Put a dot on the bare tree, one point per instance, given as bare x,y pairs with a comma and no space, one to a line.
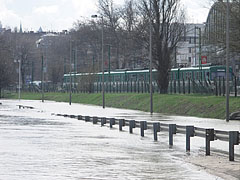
111,20
58,57
6,64
86,38
131,39
168,20
24,49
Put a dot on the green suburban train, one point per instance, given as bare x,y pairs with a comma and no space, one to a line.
209,73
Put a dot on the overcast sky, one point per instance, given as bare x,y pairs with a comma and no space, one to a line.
57,15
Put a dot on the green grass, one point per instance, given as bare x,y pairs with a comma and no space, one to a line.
187,105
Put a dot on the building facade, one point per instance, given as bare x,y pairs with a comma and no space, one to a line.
188,49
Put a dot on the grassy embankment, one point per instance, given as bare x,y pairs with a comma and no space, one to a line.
187,105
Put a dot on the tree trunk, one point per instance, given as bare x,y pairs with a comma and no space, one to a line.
163,80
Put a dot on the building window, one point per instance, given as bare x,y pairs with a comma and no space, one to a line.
190,50
189,59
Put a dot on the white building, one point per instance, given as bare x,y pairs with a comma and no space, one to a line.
187,52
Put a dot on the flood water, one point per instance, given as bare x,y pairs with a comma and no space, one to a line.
34,144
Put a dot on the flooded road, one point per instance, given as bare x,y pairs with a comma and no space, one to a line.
37,145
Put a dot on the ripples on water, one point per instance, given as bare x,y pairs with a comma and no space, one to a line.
62,148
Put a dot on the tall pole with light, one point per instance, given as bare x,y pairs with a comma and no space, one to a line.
150,56
227,63
70,72
42,79
103,84
200,50
19,78
200,53
38,43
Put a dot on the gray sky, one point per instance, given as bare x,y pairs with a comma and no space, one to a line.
61,14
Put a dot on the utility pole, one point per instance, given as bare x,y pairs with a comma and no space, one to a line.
195,45
150,56
75,65
70,57
19,80
227,63
109,67
200,53
42,80
103,84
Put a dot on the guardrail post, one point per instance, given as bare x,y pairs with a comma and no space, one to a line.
156,128
143,126
72,116
103,121
189,133
87,118
172,130
112,122
209,137
131,126
121,123
233,140
79,117
95,119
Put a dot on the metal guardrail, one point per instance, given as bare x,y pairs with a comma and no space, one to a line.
233,137
23,107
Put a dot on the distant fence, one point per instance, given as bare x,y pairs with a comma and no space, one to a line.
209,134
188,86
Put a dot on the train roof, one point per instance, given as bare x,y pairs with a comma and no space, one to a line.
197,68
123,71
112,72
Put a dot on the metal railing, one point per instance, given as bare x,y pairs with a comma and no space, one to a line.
209,134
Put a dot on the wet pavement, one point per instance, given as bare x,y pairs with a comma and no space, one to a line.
38,145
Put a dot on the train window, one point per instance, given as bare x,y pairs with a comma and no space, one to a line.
117,78
140,77
190,75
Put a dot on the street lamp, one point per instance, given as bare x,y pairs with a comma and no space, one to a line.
150,57
103,84
200,50
19,78
227,63
70,58
38,43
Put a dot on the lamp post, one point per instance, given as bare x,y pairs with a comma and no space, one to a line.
227,63
109,67
150,57
19,78
38,43
70,58
200,50
103,84
42,80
